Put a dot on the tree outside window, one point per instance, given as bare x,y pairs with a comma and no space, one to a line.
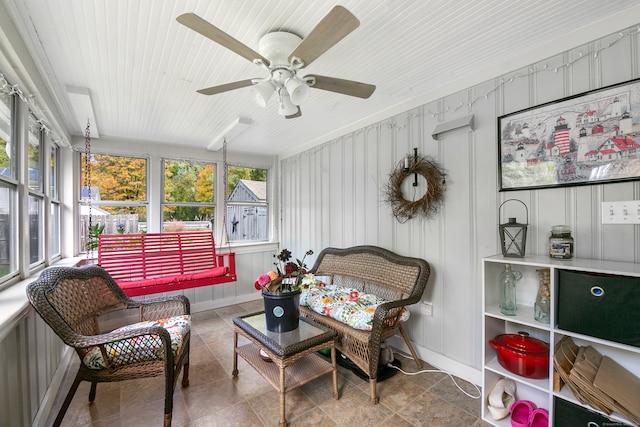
188,203
115,198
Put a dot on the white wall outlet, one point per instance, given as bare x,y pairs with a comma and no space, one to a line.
621,212
427,308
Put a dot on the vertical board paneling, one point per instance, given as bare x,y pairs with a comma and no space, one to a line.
457,249
30,355
616,60
348,185
465,230
359,189
372,188
338,188
387,163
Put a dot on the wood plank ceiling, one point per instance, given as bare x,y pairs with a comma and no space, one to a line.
142,68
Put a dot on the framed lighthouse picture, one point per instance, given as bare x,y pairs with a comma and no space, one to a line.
590,138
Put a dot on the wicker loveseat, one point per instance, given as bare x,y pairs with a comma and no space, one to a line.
399,280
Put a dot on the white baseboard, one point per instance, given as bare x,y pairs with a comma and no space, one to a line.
224,302
441,362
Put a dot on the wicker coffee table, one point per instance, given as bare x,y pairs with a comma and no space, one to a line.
293,362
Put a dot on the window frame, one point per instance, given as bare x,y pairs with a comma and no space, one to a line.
54,244
266,204
83,201
11,183
36,193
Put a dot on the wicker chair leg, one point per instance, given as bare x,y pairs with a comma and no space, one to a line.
413,352
67,401
92,391
372,385
185,375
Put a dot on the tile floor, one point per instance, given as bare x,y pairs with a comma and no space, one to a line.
215,398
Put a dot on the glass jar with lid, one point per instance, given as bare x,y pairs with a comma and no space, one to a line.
561,242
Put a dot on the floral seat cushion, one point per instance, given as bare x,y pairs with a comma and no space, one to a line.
346,305
139,349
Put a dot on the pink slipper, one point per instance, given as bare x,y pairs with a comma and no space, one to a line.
521,412
539,418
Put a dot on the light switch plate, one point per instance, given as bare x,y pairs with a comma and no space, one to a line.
627,212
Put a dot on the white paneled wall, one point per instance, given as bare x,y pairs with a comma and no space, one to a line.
30,353
333,194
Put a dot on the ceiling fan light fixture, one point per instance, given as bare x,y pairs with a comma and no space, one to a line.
262,92
298,90
286,107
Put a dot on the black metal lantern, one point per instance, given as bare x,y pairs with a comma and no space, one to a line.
513,235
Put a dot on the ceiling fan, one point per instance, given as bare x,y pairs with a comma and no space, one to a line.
283,55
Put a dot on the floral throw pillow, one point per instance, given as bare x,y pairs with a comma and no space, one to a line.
346,305
138,349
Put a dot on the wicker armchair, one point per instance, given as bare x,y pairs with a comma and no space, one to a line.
398,279
71,300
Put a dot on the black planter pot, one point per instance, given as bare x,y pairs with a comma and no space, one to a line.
282,310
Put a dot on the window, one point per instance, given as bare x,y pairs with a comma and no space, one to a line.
113,196
54,196
8,192
35,205
247,205
188,201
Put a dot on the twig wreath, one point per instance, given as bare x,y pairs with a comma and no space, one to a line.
429,204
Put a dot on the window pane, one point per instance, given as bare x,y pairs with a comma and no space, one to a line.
247,222
8,248
6,147
114,219
35,205
54,239
33,153
187,218
53,166
186,182
247,207
115,178
118,189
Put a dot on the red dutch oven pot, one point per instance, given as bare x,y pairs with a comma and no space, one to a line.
522,355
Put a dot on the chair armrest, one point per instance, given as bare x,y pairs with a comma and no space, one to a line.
231,261
161,307
383,313
86,341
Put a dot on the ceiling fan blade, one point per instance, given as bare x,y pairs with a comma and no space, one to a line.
207,29
345,87
336,25
213,90
294,115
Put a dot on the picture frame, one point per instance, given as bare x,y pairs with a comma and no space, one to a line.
589,138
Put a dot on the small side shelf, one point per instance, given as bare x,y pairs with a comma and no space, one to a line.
541,391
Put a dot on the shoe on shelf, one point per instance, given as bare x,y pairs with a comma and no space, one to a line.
521,412
539,418
501,398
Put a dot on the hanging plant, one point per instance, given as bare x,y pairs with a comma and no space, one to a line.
426,206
